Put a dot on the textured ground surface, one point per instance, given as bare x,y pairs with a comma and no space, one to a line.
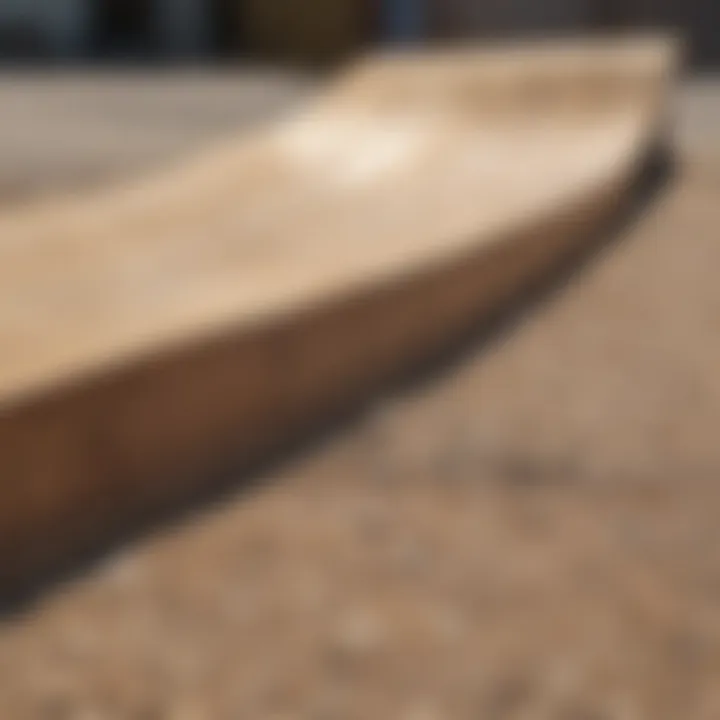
530,533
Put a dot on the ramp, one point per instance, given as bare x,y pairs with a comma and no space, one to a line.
157,333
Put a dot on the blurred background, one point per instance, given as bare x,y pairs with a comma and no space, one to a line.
101,30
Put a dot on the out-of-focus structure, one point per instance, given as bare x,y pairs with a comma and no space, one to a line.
699,20
159,331
320,29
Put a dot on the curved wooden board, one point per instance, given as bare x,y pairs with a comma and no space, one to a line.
155,332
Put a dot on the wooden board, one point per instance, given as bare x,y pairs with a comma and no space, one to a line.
154,333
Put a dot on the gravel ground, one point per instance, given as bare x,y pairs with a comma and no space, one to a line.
529,533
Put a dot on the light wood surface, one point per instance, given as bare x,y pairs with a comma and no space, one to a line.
155,332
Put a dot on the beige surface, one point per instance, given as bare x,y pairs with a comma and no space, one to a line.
153,331
407,161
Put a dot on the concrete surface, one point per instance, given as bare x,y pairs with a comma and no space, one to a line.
66,129
698,117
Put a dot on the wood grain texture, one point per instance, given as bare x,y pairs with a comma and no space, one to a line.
154,333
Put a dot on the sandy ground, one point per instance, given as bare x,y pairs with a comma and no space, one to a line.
528,532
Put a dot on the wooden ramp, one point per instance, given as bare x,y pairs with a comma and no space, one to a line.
156,333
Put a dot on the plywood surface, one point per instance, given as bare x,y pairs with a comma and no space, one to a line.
152,332
407,160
